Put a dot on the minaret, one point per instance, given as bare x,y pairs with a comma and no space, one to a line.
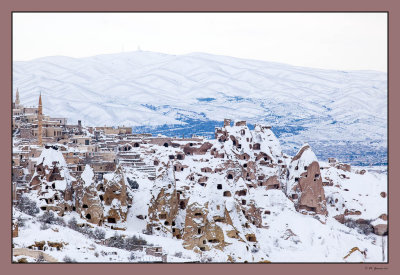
17,100
40,120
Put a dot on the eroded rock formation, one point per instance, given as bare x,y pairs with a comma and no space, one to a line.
206,194
305,183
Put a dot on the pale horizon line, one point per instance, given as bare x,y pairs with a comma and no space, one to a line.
199,52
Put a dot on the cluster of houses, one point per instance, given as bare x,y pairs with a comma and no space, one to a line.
102,147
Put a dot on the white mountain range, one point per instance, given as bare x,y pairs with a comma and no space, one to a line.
337,112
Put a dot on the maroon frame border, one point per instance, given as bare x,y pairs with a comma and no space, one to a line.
8,6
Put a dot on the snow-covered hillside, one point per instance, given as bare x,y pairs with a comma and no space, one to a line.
340,113
236,198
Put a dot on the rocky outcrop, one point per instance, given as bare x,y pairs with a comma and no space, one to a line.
100,202
202,230
163,213
343,166
271,183
305,183
33,254
89,199
115,199
14,228
192,150
165,204
381,229
52,181
380,225
253,215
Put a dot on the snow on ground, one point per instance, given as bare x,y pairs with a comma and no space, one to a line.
288,236
357,192
285,234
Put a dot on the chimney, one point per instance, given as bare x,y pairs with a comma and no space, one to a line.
227,122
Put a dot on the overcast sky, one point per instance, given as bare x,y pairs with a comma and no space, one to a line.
344,41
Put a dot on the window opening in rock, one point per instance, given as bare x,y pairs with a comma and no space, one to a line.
251,238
